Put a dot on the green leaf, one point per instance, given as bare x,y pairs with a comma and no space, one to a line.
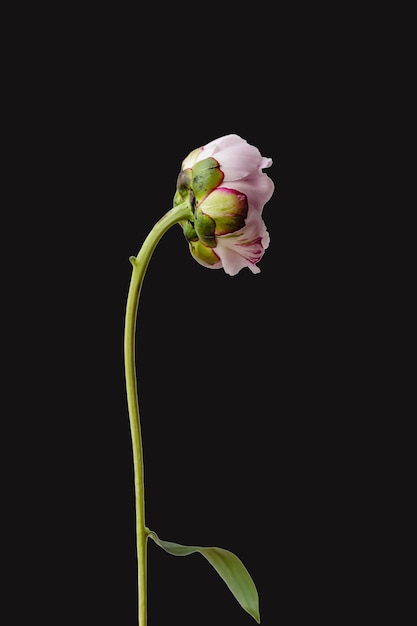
229,567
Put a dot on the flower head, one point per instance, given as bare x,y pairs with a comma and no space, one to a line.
227,190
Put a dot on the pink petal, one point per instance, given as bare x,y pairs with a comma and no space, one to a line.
244,248
221,142
258,188
237,158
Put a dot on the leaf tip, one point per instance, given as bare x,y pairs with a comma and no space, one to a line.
256,616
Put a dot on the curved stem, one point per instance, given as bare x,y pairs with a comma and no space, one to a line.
140,264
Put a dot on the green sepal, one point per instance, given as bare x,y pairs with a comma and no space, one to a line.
203,253
184,181
228,208
207,175
204,227
178,198
227,225
189,231
229,567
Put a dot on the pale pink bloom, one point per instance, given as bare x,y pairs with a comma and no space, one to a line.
241,165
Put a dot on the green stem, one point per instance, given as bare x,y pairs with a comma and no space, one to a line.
140,264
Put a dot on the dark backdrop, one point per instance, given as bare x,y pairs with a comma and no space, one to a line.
244,429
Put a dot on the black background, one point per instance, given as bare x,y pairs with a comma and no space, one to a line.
244,386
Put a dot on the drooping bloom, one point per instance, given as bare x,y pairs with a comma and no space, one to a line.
227,190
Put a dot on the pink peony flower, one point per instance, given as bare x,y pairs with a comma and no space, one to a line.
227,189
